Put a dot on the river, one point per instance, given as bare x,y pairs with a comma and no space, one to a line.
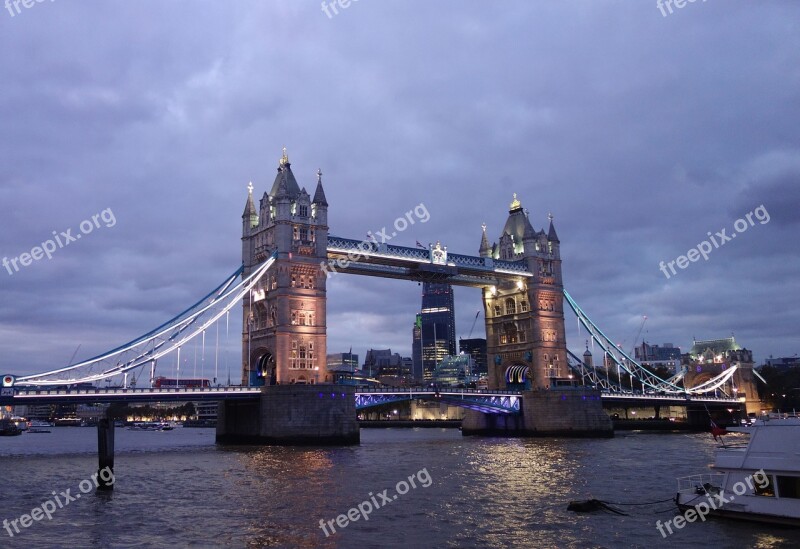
177,489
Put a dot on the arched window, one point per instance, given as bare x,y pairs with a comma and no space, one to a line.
497,311
510,306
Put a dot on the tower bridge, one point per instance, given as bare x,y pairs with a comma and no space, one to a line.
288,256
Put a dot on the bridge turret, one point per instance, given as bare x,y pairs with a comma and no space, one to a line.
250,216
319,212
588,360
485,249
249,221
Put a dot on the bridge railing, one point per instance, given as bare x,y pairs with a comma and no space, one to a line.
387,389
134,391
666,396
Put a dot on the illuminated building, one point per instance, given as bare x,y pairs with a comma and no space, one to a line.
285,314
438,325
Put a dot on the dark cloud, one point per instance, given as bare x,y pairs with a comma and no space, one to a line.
640,133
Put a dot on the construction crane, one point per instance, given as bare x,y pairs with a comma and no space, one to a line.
635,339
473,324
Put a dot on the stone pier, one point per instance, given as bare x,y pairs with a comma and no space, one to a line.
291,415
564,412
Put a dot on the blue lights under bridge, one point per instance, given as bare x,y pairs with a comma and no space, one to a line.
490,402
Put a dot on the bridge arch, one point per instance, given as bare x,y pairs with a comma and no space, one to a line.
263,371
518,377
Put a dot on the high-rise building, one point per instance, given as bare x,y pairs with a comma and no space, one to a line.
416,350
476,348
438,328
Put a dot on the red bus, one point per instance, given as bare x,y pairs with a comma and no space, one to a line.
171,383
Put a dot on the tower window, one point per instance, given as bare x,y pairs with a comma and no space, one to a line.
497,311
303,211
510,307
523,306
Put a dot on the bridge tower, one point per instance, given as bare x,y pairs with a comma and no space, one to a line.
284,326
525,336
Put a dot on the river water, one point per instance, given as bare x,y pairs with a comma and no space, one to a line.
177,489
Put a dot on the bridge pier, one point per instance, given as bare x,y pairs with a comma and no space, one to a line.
564,412
291,415
105,452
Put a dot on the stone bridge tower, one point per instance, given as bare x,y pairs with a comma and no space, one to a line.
525,336
283,329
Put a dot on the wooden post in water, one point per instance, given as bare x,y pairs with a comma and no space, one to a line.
105,451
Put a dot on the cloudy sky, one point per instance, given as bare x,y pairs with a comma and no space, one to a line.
640,132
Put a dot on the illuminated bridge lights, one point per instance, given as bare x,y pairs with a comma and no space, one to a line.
488,402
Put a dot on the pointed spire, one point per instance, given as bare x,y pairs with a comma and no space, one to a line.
529,232
319,194
249,208
485,250
551,233
283,192
286,178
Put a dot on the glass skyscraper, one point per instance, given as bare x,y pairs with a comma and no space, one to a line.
438,326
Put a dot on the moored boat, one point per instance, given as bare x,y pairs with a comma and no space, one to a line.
8,428
757,480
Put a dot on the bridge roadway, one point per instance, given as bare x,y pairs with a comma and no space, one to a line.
479,399
371,258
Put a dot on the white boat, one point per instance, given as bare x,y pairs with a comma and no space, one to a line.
757,480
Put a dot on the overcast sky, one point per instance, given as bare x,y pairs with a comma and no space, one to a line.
640,132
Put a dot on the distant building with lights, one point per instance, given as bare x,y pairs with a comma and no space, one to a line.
783,363
476,348
416,350
342,362
454,371
385,363
708,358
654,356
438,326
